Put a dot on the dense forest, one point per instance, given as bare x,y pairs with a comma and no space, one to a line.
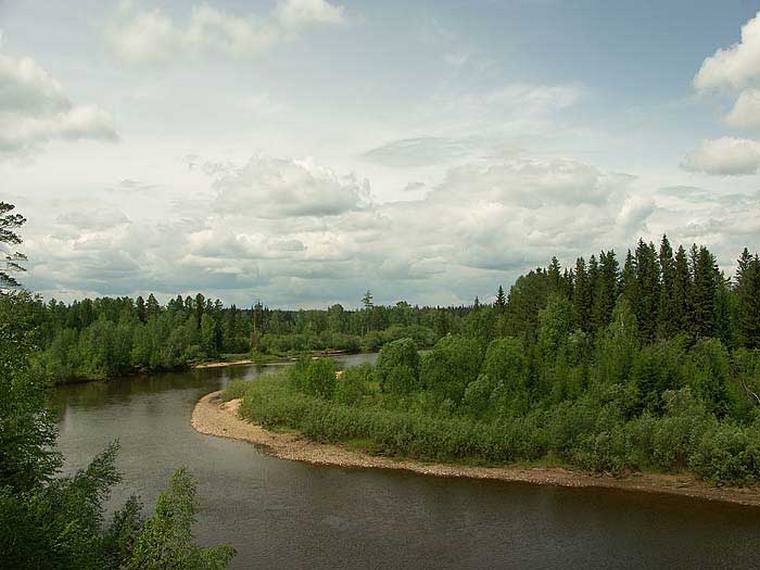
653,365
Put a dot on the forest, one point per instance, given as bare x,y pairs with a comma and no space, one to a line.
650,366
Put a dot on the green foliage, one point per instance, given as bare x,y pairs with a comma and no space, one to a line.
709,378
506,372
450,366
235,389
319,378
398,367
166,539
27,431
354,385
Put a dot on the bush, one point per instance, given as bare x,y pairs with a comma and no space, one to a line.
728,454
353,385
319,379
235,389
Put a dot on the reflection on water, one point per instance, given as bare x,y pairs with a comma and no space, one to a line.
282,514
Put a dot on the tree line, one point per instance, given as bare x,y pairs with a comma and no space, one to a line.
104,337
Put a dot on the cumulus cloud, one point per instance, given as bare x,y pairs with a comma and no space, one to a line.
532,182
151,36
726,156
746,110
34,109
734,67
282,188
295,232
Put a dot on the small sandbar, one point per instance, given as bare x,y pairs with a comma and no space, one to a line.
212,416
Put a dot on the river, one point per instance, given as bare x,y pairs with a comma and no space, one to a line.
281,514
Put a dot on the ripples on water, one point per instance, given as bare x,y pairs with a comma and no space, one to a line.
281,514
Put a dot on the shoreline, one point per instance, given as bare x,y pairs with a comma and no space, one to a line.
276,360
212,416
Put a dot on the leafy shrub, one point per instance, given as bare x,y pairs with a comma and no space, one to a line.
353,385
319,379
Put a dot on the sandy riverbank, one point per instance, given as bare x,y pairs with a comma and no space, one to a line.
211,416
223,364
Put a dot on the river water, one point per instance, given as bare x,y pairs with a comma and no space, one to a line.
282,514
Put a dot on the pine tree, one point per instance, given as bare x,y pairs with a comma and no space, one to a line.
12,260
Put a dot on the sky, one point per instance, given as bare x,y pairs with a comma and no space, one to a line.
300,152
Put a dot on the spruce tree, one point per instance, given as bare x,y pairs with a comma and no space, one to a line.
555,277
647,298
681,289
748,300
501,300
605,292
582,296
665,309
704,290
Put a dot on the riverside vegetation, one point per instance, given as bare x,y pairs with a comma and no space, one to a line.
653,367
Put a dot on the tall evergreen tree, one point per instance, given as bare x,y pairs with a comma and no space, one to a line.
605,292
647,298
665,308
748,300
501,300
582,300
628,283
704,290
555,275
681,292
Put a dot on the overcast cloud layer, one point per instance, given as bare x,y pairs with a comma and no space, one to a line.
303,151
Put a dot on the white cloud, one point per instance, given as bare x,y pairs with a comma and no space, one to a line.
735,67
283,188
746,111
34,109
726,156
296,14
294,232
146,37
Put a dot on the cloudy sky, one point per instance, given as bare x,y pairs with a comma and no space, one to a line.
303,151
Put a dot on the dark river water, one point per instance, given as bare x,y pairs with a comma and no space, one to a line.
281,514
